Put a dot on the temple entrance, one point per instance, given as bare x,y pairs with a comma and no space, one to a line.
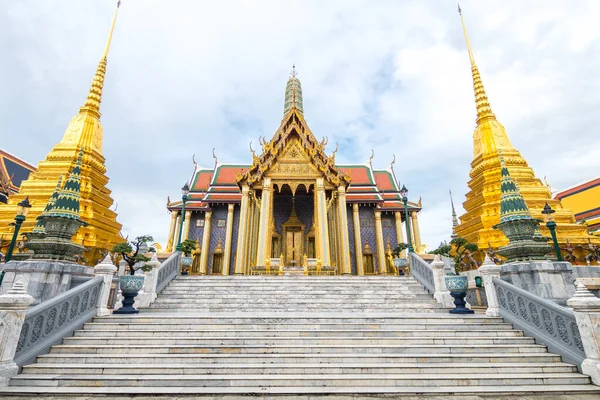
293,213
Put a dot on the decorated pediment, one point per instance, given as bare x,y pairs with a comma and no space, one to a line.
294,152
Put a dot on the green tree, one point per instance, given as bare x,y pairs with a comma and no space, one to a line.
188,246
130,252
458,249
399,249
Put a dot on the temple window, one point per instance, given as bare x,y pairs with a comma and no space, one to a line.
220,223
365,223
200,222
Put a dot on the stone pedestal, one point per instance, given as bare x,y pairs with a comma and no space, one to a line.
490,271
148,293
13,308
106,270
551,280
587,314
441,294
44,279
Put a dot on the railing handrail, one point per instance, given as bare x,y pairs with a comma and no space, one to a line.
49,322
567,312
168,270
40,308
549,323
416,272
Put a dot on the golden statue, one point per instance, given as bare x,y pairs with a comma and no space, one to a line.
196,256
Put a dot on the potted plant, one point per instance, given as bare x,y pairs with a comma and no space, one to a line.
187,247
399,262
456,283
131,284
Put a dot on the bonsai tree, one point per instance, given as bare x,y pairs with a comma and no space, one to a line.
399,249
458,249
130,252
188,246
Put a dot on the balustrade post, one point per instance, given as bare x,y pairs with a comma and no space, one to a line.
441,294
490,271
586,308
106,270
148,293
13,308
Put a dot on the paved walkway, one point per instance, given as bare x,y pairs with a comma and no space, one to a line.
327,397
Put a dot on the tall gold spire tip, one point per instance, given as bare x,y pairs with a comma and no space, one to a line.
484,110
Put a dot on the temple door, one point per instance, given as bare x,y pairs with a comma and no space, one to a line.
293,247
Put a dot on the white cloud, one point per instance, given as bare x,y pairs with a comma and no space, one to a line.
186,76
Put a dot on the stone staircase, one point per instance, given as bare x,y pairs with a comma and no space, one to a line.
297,335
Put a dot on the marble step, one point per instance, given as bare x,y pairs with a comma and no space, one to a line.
327,380
274,288
138,348
300,341
407,300
232,326
321,319
548,392
489,333
298,358
295,369
245,307
236,294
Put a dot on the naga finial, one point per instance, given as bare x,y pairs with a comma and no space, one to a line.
337,146
371,158
393,161
194,159
214,155
168,201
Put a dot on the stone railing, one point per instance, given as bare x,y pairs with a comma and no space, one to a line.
167,271
48,323
422,271
551,324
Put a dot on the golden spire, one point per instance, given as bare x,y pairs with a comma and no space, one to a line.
92,103
484,110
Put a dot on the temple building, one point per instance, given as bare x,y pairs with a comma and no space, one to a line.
13,171
584,200
84,132
482,206
293,207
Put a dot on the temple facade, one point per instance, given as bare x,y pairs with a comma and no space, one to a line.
292,208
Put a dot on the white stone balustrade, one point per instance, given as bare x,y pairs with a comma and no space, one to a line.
441,294
106,270
490,271
13,308
587,314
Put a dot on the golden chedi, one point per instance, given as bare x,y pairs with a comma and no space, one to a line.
483,200
84,132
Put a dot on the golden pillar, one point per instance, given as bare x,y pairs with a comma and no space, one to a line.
263,225
346,267
228,237
242,234
205,243
416,231
379,243
360,269
171,237
186,224
399,233
176,235
322,222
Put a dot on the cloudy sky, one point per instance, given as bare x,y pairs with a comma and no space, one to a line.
186,76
